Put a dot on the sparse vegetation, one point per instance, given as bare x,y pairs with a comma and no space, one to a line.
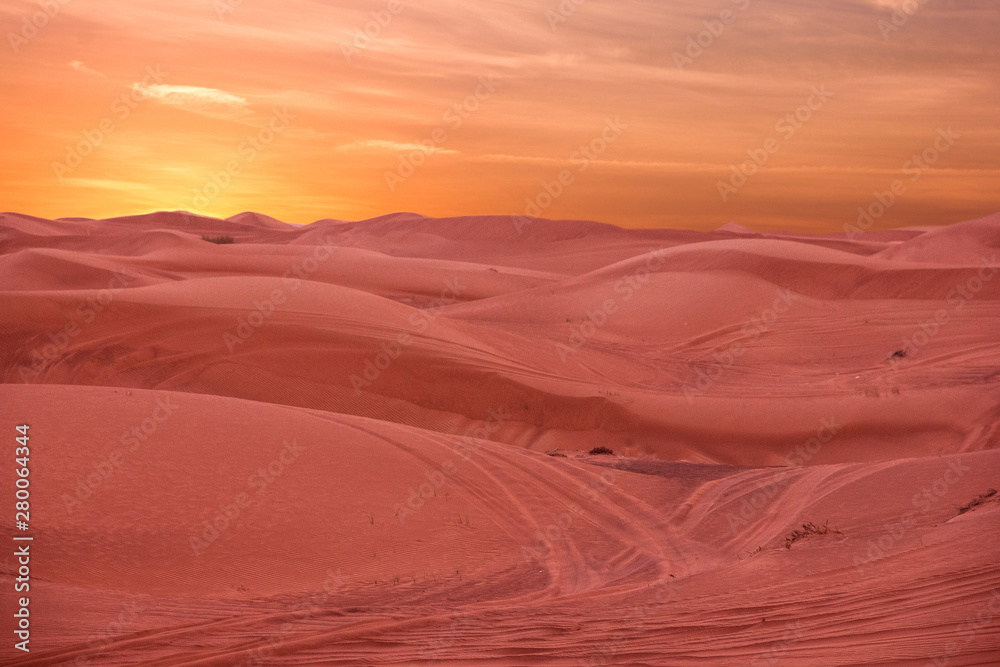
807,530
600,450
555,452
898,354
977,501
220,240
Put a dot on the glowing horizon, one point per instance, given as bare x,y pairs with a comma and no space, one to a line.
629,113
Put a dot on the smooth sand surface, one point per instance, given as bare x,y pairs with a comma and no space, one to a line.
366,443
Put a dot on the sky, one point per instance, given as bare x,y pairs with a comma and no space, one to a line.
802,115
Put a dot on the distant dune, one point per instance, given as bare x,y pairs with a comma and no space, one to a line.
367,442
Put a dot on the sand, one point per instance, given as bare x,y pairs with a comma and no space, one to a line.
366,443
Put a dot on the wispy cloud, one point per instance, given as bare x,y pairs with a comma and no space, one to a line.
80,67
395,147
209,102
108,184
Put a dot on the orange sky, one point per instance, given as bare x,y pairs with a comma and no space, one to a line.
162,97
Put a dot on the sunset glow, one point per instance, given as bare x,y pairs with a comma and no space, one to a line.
635,113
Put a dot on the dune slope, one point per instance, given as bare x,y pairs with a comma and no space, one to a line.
367,442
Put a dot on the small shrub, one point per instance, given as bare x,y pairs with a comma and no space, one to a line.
600,450
807,530
220,240
977,501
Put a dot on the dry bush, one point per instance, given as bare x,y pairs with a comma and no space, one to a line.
807,530
977,501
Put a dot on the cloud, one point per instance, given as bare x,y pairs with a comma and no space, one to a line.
80,67
628,164
209,102
108,184
395,146
905,5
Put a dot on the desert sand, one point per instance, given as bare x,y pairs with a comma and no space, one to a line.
367,443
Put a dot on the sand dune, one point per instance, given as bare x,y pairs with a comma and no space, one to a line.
326,444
